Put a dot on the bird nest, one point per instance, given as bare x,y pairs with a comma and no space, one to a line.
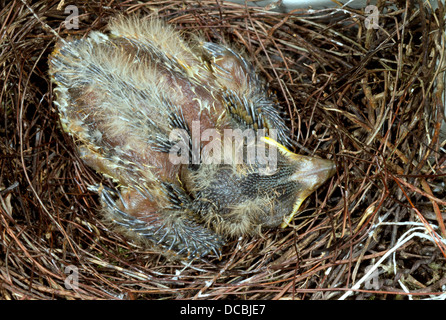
362,89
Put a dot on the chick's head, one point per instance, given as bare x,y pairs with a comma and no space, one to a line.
264,190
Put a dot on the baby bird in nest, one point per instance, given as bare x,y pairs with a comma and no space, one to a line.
187,130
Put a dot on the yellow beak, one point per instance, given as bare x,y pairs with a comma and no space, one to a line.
310,173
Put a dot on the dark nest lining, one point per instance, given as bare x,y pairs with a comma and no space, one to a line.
371,99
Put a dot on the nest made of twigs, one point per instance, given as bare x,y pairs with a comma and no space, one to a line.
369,98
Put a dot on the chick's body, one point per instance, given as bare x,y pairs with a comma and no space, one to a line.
134,97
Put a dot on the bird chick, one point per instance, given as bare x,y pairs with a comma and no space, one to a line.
187,130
